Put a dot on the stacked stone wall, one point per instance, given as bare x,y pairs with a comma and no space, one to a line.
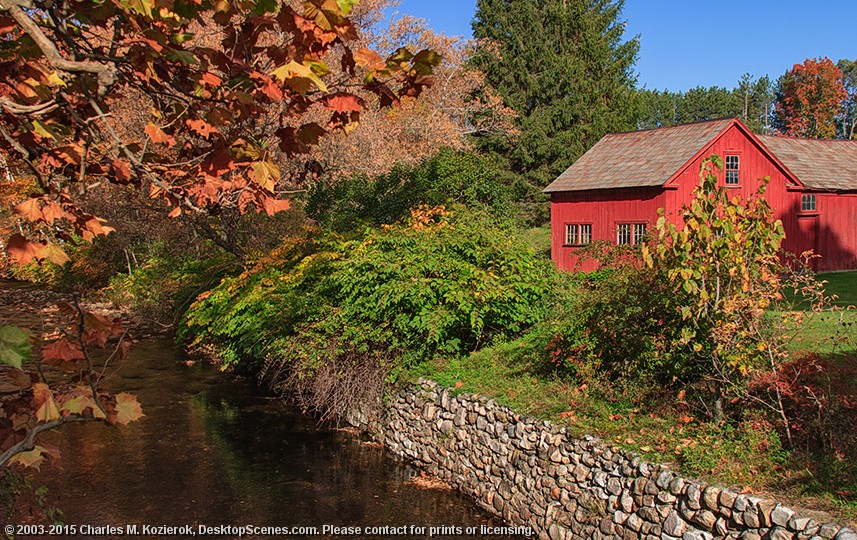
534,474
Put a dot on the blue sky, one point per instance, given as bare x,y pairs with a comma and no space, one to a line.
689,43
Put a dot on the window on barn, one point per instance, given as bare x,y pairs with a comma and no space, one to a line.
578,234
623,234
732,166
639,233
630,234
808,203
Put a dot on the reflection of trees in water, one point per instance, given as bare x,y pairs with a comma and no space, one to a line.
212,450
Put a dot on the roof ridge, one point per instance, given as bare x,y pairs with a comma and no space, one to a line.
789,138
665,128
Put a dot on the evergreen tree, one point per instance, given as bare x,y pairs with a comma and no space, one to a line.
563,66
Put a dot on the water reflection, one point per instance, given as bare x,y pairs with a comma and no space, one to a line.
216,450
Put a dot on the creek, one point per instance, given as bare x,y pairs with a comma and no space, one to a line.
215,449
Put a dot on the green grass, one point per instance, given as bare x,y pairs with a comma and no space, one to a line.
655,423
827,332
843,285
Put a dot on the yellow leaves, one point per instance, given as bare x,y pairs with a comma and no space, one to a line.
43,130
31,459
266,174
128,409
55,81
53,253
43,400
299,76
142,7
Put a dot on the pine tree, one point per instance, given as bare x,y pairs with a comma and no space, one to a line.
563,66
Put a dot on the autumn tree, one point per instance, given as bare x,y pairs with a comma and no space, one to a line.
227,90
565,68
730,286
808,99
199,105
457,107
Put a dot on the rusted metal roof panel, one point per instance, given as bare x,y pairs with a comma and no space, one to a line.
818,164
638,158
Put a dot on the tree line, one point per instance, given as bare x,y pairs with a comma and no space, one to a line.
567,70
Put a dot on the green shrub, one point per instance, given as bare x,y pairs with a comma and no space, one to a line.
615,322
449,177
439,283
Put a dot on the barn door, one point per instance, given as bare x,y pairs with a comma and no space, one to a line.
808,234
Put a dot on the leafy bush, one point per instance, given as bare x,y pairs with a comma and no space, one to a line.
440,283
449,177
616,322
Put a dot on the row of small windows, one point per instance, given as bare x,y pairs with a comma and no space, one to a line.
632,234
628,234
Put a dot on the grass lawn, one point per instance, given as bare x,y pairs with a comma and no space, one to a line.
843,285
828,332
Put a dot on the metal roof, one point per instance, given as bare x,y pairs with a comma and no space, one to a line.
638,158
818,164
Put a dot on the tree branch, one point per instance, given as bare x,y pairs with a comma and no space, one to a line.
29,441
34,110
25,156
106,72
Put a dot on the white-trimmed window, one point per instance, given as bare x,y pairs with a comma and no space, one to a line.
733,165
808,202
623,234
639,233
578,234
630,234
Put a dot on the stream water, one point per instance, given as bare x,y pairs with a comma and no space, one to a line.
218,450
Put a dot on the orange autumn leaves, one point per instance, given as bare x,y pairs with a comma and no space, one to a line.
209,90
61,384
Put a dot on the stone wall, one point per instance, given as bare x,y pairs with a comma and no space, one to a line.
531,473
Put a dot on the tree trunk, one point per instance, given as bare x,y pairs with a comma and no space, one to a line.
718,402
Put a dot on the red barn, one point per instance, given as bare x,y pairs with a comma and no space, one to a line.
614,191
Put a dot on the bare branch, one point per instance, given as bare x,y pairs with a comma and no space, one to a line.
32,110
106,72
30,441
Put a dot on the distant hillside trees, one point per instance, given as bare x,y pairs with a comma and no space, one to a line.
751,101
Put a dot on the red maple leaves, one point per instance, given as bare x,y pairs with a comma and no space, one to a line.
40,402
810,96
199,94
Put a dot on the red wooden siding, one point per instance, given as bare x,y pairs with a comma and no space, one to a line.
604,209
830,231
837,230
